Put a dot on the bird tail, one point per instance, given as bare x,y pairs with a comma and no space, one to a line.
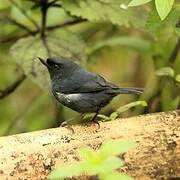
128,90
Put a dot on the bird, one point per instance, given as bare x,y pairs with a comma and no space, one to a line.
81,90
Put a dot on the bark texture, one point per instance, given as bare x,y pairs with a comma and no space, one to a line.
157,156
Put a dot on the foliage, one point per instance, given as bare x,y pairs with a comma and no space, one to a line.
115,114
126,41
122,109
115,11
131,42
138,2
163,7
168,71
177,78
27,50
165,71
135,43
155,25
103,163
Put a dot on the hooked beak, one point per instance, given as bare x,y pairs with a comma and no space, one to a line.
43,62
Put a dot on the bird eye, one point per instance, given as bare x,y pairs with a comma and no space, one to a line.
56,66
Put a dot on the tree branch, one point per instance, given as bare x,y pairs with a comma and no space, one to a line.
13,38
67,23
18,24
44,9
11,88
33,155
49,28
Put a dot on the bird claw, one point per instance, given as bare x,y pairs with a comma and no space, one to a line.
92,123
66,125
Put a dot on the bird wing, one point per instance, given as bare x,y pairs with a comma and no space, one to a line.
84,82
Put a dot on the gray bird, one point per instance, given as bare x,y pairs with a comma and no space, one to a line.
80,90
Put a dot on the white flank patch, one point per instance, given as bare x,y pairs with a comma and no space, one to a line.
69,97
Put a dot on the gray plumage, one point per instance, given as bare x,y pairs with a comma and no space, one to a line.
80,90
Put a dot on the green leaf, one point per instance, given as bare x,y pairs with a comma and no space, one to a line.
89,155
110,164
177,78
174,18
174,104
165,71
60,43
104,166
136,43
20,17
168,95
130,105
138,2
115,176
103,10
60,15
115,147
7,28
164,7
156,26
113,115
87,117
67,171
101,163
154,23
105,118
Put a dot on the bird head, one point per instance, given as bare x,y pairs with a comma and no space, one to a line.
59,67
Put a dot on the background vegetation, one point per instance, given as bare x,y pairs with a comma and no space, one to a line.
135,45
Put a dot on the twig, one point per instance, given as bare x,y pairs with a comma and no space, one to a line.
68,23
154,100
174,53
44,9
25,14
49,28
11,88
13,38
13,21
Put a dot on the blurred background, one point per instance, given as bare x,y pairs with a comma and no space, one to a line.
130,46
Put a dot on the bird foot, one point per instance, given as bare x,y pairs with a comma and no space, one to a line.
94,122
66,125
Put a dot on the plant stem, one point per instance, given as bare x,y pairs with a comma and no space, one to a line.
49,28
18,24
44,8
155,99
174,53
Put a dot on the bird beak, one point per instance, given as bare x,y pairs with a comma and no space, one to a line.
43,62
